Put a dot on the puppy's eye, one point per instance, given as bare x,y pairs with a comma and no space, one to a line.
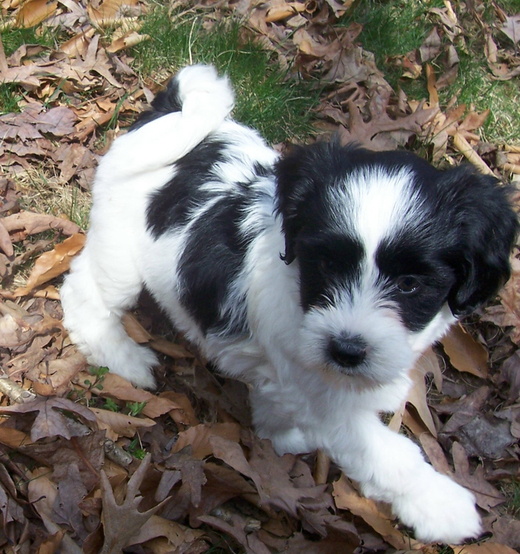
407,284
328,265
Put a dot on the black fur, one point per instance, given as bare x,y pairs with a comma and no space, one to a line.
210,264
166,101
172,204
459,250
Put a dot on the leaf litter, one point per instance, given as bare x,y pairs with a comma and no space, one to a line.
91,464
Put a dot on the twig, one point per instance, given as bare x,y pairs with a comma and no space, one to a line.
14,391
321,471
117,454
465,148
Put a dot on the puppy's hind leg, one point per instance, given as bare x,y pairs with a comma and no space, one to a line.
107,276
94,298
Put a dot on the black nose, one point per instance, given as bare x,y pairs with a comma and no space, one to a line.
347,351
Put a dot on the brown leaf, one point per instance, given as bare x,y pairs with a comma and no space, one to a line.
435,453
122,522
5,241
485,548
49,421
235,527
120,424
178,535
346,498
222,484
506,531
507,313
32,223
12,437
431,47
511,28
199,437
340,8
417,397
278,487
78,44
185,414
18,327
107,12
66,508
465,353
34,11
382,132
58,372
232,454
137,332
117,387
464,410
486,494
128,40
52,264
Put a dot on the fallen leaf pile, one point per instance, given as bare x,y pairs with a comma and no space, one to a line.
90,464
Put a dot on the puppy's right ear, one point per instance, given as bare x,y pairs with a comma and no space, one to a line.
300,182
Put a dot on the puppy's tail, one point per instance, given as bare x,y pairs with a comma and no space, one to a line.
194,105
190,79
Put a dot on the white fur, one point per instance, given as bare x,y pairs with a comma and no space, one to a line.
297,401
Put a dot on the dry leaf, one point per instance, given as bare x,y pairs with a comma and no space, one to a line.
54,263
487,496
199,437
122,522
417,397
50,422
346,498
511,28
107,12
129,39
116,387
465,353
34,11
31,223
178,535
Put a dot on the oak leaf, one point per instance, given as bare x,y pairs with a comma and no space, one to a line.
50,422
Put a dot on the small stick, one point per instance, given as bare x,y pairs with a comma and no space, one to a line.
465,148
14,391
321,471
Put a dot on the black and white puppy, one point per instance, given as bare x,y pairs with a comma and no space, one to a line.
317,278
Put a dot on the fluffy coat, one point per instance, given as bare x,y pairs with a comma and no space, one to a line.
318,279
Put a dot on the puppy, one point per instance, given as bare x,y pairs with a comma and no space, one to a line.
317,278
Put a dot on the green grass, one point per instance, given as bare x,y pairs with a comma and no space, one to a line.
395,27
13,38
280,108
511,491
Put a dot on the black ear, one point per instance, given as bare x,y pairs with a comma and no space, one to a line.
303,177
486,227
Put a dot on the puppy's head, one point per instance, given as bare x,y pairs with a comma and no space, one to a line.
390,250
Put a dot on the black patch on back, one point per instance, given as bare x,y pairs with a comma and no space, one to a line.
171,205
212,259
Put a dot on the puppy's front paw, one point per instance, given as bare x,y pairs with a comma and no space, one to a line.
202,91
439,510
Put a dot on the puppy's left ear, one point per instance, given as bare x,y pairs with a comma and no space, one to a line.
487,228
301,181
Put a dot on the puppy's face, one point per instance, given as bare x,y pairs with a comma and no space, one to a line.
388,249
